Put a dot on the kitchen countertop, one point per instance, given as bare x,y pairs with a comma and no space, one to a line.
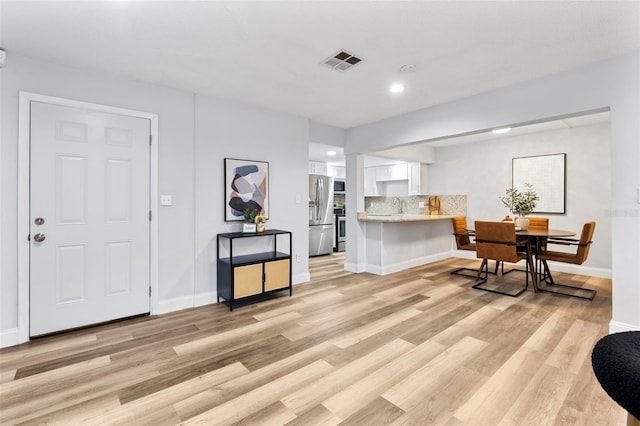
401,217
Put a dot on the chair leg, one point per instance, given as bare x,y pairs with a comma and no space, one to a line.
460,272
484,269
588,293
482,272
501,263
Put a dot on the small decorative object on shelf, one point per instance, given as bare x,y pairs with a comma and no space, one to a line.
520,203
250,224
248,228
260,221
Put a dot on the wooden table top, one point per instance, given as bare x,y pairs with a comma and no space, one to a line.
537,232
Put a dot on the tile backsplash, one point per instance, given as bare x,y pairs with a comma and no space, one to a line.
451,205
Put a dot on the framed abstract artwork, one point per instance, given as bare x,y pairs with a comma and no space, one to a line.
547,175
246,186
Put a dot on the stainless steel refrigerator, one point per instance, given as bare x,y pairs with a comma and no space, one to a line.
320,215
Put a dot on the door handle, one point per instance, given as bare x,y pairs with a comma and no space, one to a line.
39,238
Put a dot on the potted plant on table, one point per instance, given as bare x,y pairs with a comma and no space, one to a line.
254,221
521,203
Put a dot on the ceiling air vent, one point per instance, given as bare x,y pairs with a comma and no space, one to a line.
342,60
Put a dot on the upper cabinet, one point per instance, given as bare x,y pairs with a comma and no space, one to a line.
338,172
396,180
370,182
418,179
324,169
317,168
391,172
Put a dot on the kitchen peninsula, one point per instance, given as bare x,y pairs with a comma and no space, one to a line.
397,242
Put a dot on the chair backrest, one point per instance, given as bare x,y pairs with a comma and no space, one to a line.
538,222
586,237
496,241
460,232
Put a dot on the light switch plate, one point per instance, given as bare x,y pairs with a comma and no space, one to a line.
166,200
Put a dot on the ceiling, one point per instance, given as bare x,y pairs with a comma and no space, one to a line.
270,53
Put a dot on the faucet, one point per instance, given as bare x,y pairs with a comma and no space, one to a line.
396,201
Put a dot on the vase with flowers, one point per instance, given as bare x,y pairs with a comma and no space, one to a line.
521,203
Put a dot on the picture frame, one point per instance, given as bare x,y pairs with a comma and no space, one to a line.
547,175
246,186
248,228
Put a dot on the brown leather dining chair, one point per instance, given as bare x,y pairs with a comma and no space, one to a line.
577,258
542,223
497,241
463,242
538,222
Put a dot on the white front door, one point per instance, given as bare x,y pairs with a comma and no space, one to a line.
89,217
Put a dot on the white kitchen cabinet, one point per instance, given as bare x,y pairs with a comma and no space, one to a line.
418,177
391,172
370,182
338,172
317,168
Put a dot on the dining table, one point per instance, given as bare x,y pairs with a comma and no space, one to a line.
534,238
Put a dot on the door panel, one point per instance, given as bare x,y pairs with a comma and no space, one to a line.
118,187
90,185
119,266
247,280
276,274
71,273
71,190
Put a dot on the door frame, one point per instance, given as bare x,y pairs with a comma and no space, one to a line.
24,176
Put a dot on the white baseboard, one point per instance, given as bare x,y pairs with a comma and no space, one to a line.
554,266
203,299
401,266
354,267
186,302
580,270
8,337
619,327
175,304
465,254
301,278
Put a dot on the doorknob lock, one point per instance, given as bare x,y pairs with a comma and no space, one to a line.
39,238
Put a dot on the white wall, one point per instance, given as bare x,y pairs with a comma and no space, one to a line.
324,134
175,110
231,130
613,83
588,179
192,146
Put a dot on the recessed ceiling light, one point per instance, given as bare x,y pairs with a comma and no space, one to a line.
331,153
501,130
396,88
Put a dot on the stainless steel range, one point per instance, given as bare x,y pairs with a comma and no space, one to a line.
341,232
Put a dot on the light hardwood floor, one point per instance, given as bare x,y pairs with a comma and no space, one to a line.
417,347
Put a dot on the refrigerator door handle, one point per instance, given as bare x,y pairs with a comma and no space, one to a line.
320,197
317,213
